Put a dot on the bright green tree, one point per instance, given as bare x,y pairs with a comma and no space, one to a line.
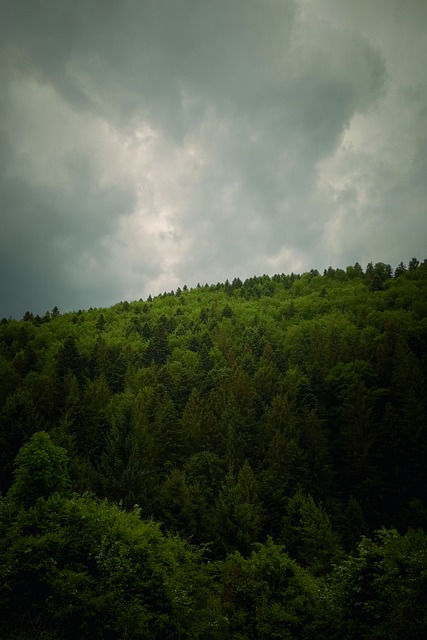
41,470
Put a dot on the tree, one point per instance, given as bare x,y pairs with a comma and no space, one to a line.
183,508
41,470
19,419
69,359
239,512
355,271
308,536
81,568
268,596
381,591
357,438
400,270
414,263
316,446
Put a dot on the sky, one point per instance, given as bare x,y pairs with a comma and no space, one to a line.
148,144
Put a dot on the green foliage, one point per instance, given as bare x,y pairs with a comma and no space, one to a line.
41,470
238,511
380,593
79,568
182,506
19,419
268,596
290,407
308,535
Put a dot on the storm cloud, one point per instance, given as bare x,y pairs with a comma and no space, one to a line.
147,144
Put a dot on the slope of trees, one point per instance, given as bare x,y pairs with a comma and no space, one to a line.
241,460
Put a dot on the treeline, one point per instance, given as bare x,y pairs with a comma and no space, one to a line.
272,423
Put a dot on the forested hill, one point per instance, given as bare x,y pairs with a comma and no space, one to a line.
286,410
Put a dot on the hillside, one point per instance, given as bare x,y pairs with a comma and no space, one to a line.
287,411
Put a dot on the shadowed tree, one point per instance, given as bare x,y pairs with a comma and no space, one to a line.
357,439
308,536
19,419
239,511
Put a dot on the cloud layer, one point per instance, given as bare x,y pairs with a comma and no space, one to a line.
147,144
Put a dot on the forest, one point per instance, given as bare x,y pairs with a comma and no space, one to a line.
243,460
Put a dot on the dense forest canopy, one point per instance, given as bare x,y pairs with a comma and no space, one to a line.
240,460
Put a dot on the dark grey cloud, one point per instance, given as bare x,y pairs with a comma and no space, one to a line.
51,235
149,143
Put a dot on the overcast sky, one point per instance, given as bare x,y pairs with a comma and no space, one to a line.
148,144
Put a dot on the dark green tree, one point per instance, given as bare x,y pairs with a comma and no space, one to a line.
19,419
308,535
80,568
269,597
239,512
380,592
